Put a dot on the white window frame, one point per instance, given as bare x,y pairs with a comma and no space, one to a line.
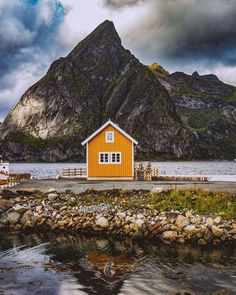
104,153
115,153
107,134
109,158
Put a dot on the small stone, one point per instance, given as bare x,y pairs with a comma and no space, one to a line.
209,221
20,209
13,217
140,216
232,231
5,205
191,229
157,189
52,196
168,235
25,218
181,221
189,214
195,219
216,242
218,219
201,242
38,208
208,236
121,215
217,232
102,222
139,222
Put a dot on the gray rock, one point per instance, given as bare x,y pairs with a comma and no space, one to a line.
218,219
52,196
217,232
191,229
102,222
13,217
209,221
20,209
182,221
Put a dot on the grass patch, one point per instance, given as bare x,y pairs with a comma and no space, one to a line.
201,201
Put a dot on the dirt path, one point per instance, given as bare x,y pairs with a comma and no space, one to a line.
76,185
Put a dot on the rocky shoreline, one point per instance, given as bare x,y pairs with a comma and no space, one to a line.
90,212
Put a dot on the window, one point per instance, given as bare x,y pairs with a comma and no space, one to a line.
110,158
103,158
116,158
109,136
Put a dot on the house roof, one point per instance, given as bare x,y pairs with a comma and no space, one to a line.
109,122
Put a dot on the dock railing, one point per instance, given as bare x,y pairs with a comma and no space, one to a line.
73,173
145,171
14,179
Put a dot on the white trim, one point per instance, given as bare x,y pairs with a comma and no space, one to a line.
133,159
109,141
109,122
87,157
99,158
109,158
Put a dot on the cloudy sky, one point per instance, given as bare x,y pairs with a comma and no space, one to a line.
184,35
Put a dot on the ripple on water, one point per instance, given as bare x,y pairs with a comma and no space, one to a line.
37,264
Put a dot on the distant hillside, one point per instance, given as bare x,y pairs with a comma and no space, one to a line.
191,117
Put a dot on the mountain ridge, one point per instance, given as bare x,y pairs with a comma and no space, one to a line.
100,79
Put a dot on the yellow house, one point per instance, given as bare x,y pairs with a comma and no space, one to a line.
110,153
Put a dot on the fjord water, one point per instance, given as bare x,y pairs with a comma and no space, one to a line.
48,264
222,170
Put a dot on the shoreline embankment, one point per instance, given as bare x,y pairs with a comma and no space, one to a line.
195,216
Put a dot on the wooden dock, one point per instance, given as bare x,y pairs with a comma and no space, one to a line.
180,178
14,179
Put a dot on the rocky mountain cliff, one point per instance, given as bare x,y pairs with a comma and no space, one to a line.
206,106
100,79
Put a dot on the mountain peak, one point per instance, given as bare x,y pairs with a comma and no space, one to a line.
105,33
195,74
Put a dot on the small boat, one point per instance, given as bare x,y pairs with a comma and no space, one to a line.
4,172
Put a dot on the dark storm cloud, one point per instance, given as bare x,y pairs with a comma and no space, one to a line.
27,29
114,4
185,29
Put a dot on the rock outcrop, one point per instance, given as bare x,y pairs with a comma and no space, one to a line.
206,106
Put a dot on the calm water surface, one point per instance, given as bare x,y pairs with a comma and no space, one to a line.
40,264
216,170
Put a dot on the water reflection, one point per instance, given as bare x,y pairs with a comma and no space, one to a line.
48,264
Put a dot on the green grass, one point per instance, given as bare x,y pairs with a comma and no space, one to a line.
201,201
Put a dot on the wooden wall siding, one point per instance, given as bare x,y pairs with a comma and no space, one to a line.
121,144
